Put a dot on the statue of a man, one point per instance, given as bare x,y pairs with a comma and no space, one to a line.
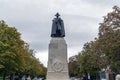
57,27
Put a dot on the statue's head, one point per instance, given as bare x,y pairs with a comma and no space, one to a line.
57,15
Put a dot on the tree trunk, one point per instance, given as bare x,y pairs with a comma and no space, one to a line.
11,77
4,75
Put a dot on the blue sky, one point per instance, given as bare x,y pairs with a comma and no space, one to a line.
33,19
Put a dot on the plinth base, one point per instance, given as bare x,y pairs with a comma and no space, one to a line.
57,60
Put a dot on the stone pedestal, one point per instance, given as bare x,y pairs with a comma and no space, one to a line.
57,60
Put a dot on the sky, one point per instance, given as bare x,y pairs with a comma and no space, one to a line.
33,19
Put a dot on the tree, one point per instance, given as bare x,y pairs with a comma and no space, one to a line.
31,65
89,60
109,38
15,54
104,51
73,66
11,47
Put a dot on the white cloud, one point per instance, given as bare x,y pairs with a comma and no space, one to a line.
43,57
33,19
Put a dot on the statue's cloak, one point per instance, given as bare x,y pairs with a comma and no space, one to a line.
57,26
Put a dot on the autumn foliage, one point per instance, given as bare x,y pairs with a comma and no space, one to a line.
104,51
15,54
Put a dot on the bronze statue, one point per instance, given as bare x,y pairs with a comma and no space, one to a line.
57,27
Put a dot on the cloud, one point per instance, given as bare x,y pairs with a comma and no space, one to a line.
105,3
33,19
42,56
